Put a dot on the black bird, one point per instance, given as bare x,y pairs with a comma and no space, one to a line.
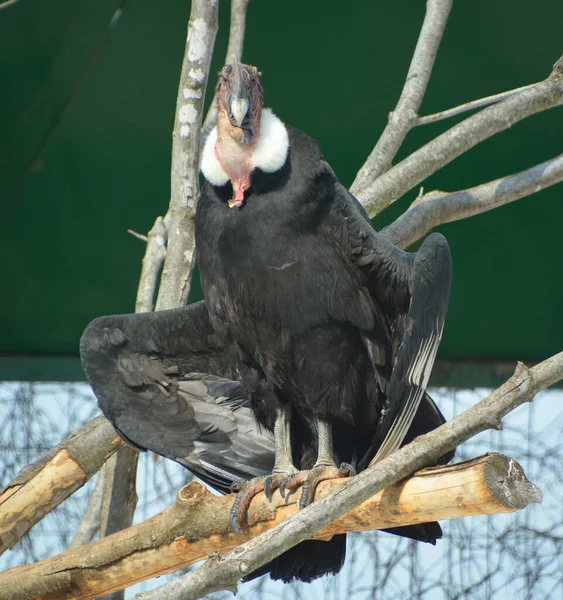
143,369
330,331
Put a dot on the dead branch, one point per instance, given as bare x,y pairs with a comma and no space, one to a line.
119,498
184,186
436,208
446,147
155,254
467,106
234,49
43,485
405,115
223,572
198,525
89,524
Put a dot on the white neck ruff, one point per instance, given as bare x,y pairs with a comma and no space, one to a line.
269,154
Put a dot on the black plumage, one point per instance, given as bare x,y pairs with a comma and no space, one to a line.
328,330
145,370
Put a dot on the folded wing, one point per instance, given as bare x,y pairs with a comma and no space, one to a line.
412,290
162,380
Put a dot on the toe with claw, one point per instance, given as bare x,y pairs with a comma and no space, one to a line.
242,502
311,479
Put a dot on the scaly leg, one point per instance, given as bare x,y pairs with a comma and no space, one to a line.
283,469
323,469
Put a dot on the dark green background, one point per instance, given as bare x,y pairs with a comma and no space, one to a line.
86,113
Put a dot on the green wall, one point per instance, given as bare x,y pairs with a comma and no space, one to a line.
86,113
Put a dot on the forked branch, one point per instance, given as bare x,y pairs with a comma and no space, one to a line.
198,525
405,115
465,135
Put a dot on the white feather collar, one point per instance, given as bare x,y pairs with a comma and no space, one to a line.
269,154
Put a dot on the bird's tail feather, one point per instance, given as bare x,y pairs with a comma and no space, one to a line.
307,561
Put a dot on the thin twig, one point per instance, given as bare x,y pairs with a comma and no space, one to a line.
219,572
404,117
461,137
436,208
184,185
462,108
139,236
234,50
8,3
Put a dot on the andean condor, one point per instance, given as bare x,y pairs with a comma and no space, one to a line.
329,330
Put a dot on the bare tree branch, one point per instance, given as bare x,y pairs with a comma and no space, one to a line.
184,188
198,525
89,524
436,208
152,262
404,117
467,106
223,572
48,481
119,497
446,147
234,49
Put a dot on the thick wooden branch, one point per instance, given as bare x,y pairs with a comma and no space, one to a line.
405,115
436,208
223,572
461,137
43,485
198,525
184,187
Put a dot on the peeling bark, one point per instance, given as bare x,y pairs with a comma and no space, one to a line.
43,485
198,526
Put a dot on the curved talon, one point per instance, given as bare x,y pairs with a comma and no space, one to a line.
242,503
292,482
272,483
283,486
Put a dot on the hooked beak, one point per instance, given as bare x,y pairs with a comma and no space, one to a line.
239,108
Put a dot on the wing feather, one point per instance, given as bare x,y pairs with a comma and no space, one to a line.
163,381
412,290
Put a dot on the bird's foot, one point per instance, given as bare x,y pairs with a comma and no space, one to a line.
246,492
311,479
